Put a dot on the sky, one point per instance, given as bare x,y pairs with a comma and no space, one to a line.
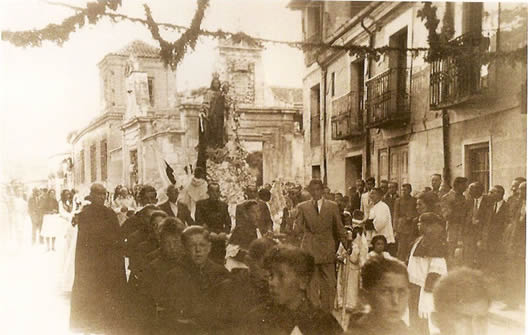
49,91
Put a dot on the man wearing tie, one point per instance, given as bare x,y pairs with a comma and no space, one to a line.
499,219
476,233
319,224
174,208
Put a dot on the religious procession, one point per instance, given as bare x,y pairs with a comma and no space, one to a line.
359,170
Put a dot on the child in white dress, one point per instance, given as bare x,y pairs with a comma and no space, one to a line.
349,271
379,245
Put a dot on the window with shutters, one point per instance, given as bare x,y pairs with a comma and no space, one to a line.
151,90
104,160
82,167
93,162
315,121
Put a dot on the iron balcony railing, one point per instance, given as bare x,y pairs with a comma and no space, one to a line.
347,116
388,99
455,79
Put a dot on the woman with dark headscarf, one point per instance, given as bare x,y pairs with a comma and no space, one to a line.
51,226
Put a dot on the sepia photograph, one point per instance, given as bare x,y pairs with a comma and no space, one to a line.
274,167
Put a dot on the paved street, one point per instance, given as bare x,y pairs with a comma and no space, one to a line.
32,301
30,283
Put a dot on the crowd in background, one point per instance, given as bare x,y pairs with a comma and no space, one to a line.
288,258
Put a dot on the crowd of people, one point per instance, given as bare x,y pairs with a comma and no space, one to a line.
378,260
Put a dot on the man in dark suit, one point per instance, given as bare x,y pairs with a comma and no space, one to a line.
174,208
35,214
476,230
212,213
250,194
390,197
500,216
265,223
319,222
456,212
355,195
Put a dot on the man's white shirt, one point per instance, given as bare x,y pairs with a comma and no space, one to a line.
319,205
381,216
498,205
365,204
174,207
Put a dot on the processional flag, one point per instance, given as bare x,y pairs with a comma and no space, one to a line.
170,173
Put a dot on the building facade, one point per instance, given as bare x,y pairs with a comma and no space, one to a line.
144,122
138,98
400,117
270,116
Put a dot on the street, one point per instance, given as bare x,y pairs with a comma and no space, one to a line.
33,301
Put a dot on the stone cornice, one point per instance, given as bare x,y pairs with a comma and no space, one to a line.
96,123
163,132
138,119
257,109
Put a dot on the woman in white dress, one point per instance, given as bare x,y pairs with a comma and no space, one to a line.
51,223
123,203
70,243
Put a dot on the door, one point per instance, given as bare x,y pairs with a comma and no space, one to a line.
398,66
383,165
478,168
353,171
316,172
399,164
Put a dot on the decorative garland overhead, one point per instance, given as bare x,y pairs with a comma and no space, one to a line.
60,33
470,47
173,52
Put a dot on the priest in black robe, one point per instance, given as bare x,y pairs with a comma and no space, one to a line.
98,288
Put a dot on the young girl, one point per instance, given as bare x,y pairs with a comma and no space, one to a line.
379,245
348,274
52,223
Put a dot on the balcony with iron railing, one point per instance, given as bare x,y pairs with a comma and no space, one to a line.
347,116
388,99
454,79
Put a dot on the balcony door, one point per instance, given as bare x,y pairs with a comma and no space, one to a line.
398,63
357,84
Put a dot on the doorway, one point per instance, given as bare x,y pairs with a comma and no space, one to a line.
353,170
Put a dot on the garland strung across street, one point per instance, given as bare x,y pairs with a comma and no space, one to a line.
60,33
173,52
471,47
